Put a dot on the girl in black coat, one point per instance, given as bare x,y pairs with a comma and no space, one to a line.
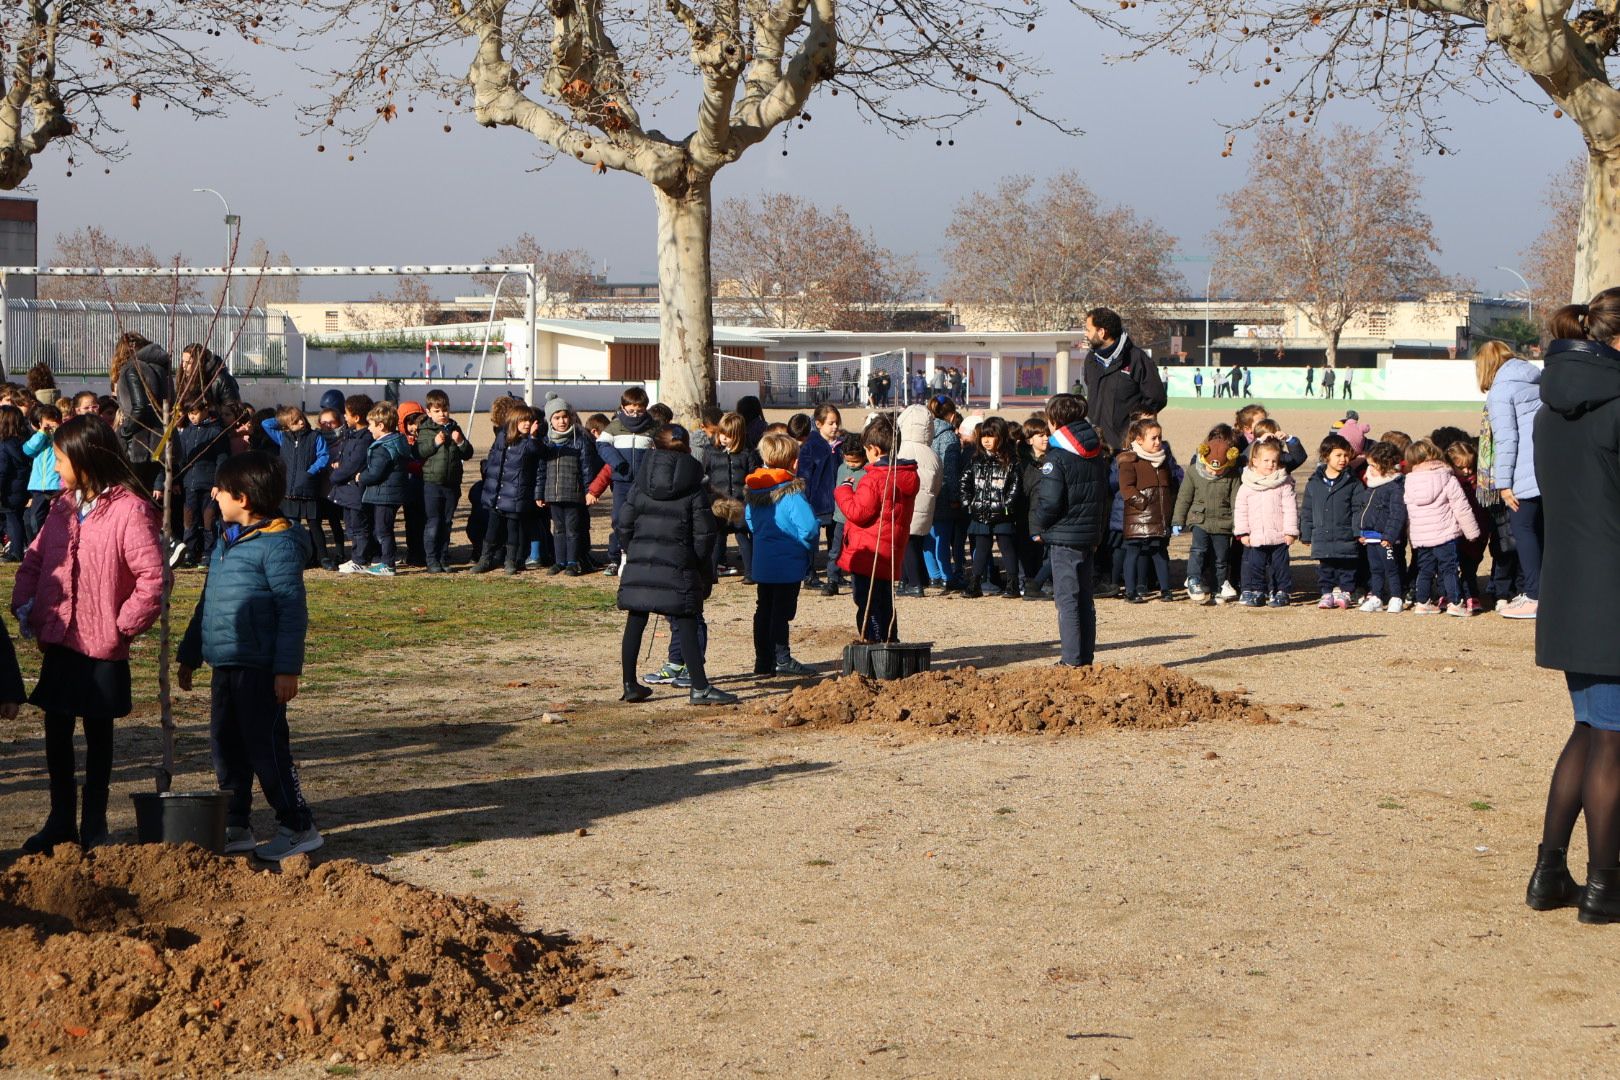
510,491
727,464
668,532
14,471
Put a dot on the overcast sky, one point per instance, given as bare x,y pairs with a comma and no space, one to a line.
416,194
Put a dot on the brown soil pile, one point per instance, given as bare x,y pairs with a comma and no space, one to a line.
1061,701
164,959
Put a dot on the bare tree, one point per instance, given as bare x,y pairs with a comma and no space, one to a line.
91,246
566,273
1332,224
410,304
790,263
577,75
1550,258
68,65
1409,59
269,290
1038,260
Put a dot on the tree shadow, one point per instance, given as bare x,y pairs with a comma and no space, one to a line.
524,807
1269,647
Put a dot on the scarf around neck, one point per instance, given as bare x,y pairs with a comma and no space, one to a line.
1104,358
1266,482
1374,482
557,438
1155,459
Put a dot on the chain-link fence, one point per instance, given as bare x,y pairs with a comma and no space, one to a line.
76,337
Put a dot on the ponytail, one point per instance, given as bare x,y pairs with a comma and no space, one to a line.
1598,320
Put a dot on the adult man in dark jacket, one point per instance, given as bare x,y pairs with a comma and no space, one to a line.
1071,510
1120,378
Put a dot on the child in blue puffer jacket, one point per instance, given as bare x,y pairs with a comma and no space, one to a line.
784,526
249,626
384,482
510,491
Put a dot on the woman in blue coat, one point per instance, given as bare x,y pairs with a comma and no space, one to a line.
1512,399
784,525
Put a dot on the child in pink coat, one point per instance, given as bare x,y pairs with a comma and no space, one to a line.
1437,513
1265,519
91,581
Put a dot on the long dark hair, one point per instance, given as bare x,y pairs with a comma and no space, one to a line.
129,343
97,457
996,428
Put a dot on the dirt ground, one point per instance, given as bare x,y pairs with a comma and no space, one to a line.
1339,893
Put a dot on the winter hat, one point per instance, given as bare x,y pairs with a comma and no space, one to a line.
1351,414
1219,453
555,405
332,399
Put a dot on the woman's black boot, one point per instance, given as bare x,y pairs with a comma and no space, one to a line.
1551,885
58,828
634,691
1600,901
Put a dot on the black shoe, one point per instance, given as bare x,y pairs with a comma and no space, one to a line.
484,566
555,568
48,837
512,569
1167,597
972,591
1136,598
574,571
634,691
792,667
1600,900
711,695
93,824
764,667
1551,885
830,588
908,590
1036,596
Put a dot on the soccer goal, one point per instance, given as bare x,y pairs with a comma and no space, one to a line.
877,380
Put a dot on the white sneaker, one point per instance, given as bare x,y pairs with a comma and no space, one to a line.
177,553
288,843
1396,605
239,840
1227,592
351,567
1461,610
1372,603
1421,608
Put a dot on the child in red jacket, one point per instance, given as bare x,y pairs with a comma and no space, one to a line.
877,511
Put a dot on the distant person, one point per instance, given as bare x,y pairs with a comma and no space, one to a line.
1198,383
1235,379
1344,387
1248,382
1120,378
1327,382
1310,381
1071,510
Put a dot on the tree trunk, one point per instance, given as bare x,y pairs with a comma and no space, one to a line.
1333,347
165,634
1597,245
686,330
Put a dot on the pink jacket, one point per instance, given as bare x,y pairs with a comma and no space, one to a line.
95,583
1266,515
1436,508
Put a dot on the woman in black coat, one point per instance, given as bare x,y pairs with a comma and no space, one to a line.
668,532
1578,619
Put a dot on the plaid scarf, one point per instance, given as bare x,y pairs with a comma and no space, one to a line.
1486,489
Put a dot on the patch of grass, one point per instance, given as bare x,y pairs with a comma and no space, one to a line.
479,872
1005,810
1390,804
1480,804
1256,972
342,1070
818,862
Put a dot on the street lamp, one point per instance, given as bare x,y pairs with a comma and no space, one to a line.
1529,300
231,221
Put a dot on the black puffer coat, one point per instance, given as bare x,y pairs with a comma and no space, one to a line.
145,384
1578,470
1071,505
727,472
668,532
990,488
510,476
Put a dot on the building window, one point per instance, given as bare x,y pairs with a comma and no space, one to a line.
331,322
1378,323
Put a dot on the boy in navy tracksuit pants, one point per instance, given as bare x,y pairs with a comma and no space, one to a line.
204,446
249,626
305,463
622,445
349,463
383,482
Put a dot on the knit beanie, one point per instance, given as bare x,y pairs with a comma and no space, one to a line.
555,405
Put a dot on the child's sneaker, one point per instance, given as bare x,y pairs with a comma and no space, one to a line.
1372,603
1252,599
288,843
1461,610
239,840
1341,599
1425,609
351,567
1279,598
1326,603
1396,604
1226,593
1195,592
380,570
666,674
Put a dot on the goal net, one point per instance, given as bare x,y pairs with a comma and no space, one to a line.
874,379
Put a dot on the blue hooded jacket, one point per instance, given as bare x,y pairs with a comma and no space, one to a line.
253,611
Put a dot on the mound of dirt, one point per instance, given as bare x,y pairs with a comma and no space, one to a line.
1055,700
164,959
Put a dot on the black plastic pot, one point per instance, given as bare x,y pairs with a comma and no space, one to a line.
887,661
181,818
